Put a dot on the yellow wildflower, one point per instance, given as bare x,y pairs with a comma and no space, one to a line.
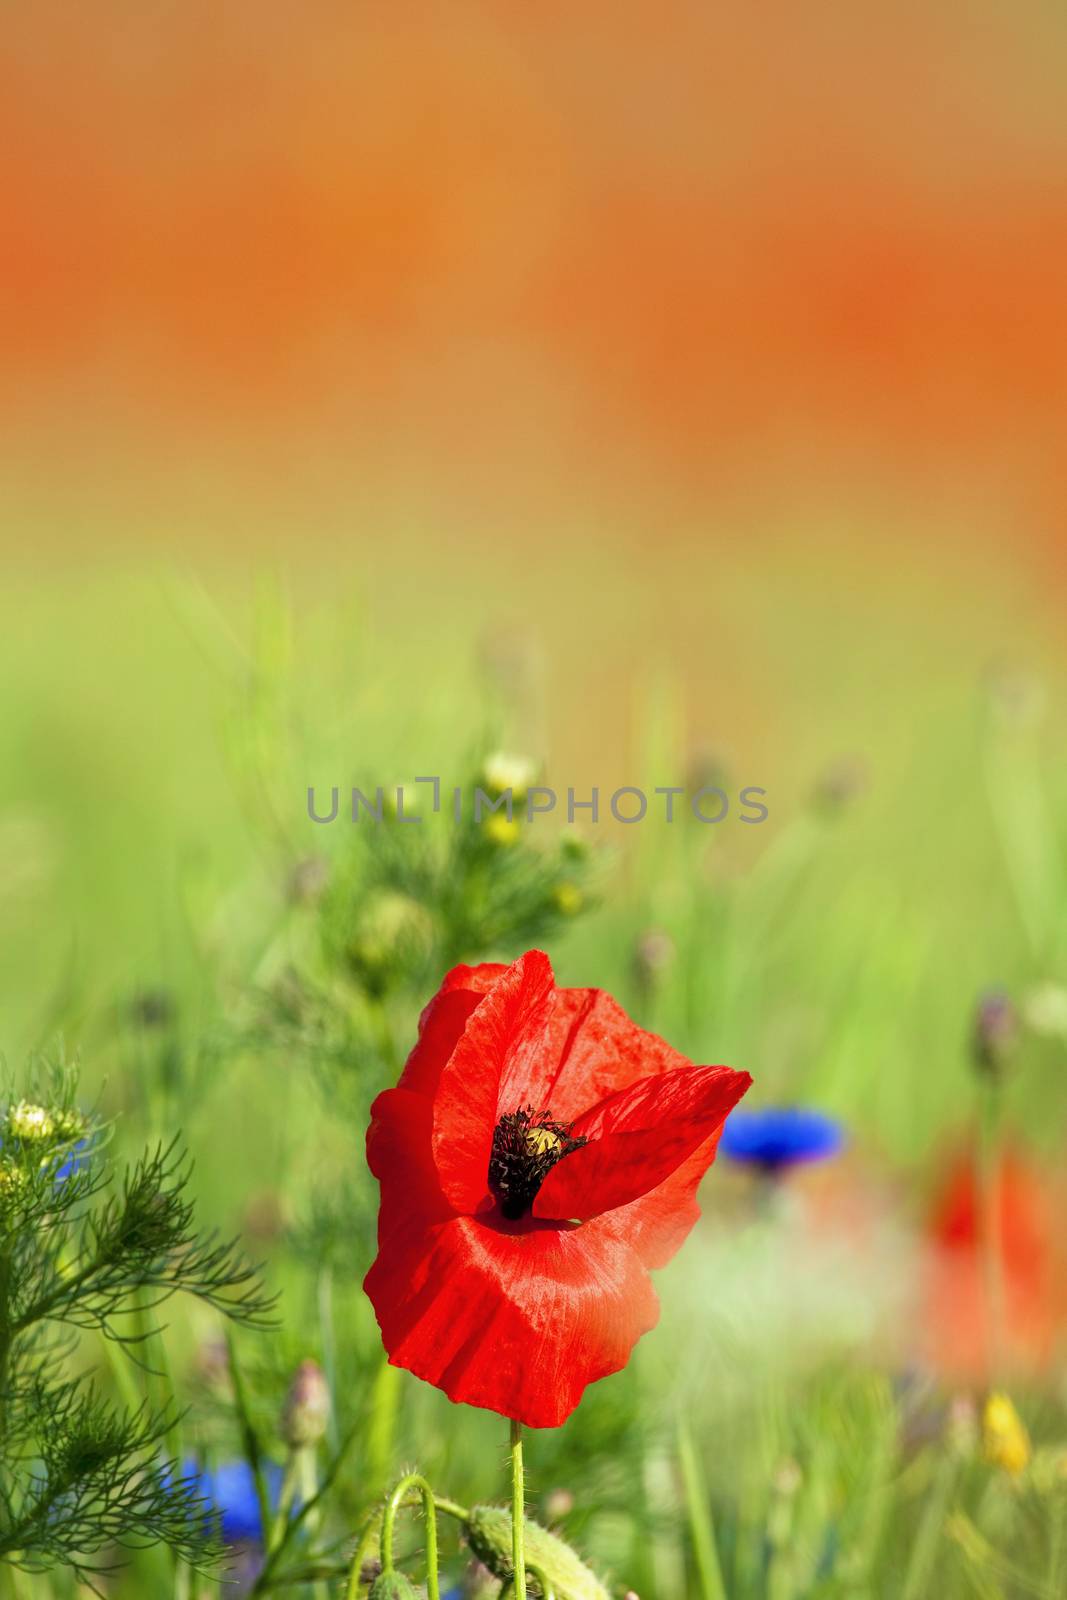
1005,1441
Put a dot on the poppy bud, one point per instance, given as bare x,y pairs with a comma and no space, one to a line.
996,1033
489,1535
392,1586
307,1407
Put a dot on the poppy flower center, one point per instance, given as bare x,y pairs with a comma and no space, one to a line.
526,1146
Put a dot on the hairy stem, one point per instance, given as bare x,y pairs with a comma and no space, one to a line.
363,1548
429,1509
518,1513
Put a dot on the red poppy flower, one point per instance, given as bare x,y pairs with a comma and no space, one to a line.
955,1311
539,1154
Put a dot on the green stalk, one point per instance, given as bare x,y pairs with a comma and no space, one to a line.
698,1512
396,1499
518,1513
547,1591
307,1487
362,1551
930,1530
275,1530
385,1398
1057,1550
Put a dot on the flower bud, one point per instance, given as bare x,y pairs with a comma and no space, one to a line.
30,1123
13,1183
489,1535
69,1124
1005,1441
391,931
502,772
996,1033
567,899
392,1586
307,1407
500,829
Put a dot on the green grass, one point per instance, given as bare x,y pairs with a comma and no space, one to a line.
777,1436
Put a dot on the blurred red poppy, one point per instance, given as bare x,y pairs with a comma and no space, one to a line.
956,1317
539,1154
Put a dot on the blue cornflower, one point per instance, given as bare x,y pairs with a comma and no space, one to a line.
231,1489
75,1160
780,1136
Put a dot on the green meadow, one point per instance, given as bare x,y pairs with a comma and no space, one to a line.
809,1418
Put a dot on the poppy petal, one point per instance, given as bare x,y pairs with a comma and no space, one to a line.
658,1223
518,1322
442,1022
588,1049
399,1155
465,1105
637,1138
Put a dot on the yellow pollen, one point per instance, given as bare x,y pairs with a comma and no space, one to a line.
542,1141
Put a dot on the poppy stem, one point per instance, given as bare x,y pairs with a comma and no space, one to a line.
518,1514
412,1483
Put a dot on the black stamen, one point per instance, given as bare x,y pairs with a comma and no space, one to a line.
526,1146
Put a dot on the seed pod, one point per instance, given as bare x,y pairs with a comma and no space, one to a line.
489,1535
392,1586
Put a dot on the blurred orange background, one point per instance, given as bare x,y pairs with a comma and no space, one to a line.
620,266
